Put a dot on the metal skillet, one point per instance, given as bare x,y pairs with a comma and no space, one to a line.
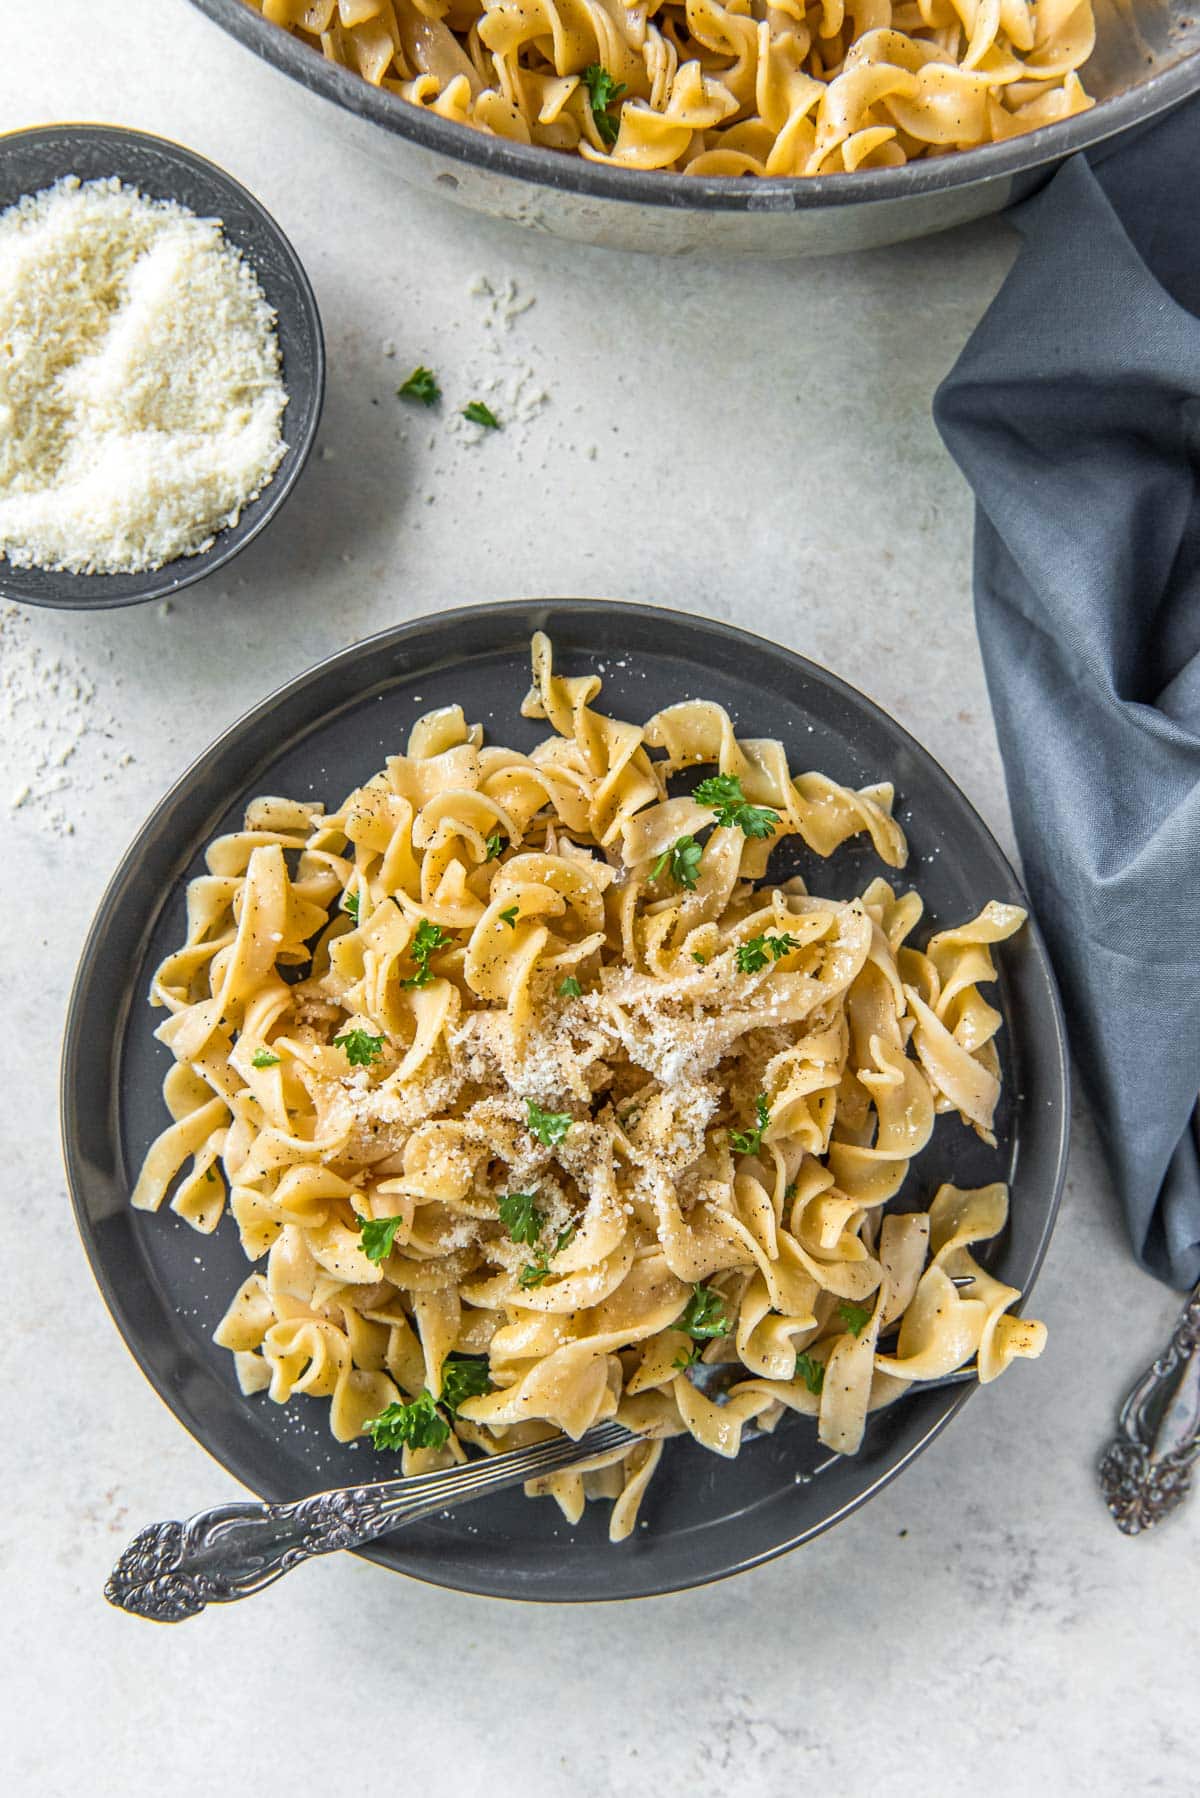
1146,60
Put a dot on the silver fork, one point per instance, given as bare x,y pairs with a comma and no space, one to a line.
1146,1470
171,1571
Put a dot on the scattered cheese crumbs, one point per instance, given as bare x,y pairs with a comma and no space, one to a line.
58,732
140,392
501,376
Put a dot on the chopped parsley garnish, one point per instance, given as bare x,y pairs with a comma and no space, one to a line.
703,1315
263,1058
415,1425
790,1190
361,1047
686,1358
378,1236
509,914
723,792
464,1377
421,385
700,959
495,845
430,938
210,1175
603,92
570,987
520,1216
754,954
855,1317
534,1272
811,1371
350,904
683,858
548,1126
749,1142
479,414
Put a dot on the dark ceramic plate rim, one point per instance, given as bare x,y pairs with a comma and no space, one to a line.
164,583
532,615
687,193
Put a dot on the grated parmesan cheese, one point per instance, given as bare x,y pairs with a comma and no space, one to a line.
140,390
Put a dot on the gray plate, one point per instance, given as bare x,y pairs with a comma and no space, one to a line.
324,734
33,160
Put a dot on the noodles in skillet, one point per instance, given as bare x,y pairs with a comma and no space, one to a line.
752,87
540,1101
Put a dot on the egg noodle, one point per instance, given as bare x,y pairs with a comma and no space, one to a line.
533,1091
801,87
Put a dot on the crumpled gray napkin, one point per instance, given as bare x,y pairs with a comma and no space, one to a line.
1074,412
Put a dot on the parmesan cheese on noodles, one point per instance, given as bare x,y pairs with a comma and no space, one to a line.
140,391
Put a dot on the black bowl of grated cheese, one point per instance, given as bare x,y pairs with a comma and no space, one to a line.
166,369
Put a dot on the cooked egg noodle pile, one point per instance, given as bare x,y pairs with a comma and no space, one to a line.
799,87
369,1012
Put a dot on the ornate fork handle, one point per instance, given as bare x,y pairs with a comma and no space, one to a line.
173,1570
1146,1470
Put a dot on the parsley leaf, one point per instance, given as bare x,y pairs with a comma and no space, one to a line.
210,1176
570,987
464,1377
749,1142
724,793
684,859
700,959
430,938
811,1371
603,92
536,1271
495,844
703,1315
855,1317
753,954
361,1047
378,1236
686,1358
350,903
756,820
421,385
789,1191
509,914
548,1126
263,1058
416,1425
479,414
521,1217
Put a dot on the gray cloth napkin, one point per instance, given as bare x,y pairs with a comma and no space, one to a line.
1074,412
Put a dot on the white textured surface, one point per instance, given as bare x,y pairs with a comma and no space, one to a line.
764,453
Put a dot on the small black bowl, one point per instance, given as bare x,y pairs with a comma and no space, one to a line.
33,160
